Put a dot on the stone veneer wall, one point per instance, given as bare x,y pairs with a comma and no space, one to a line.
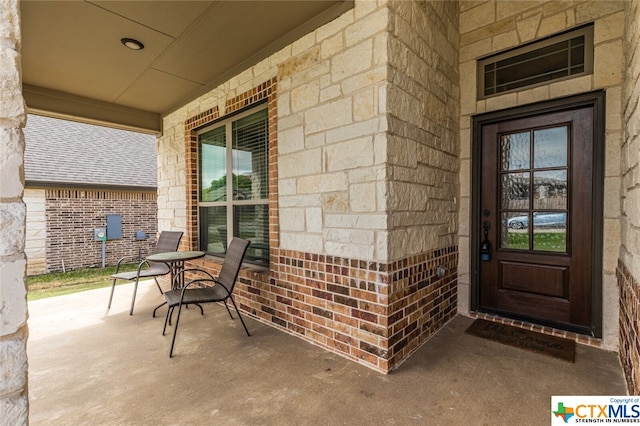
73,214
423,110
423,104
332,145
332,278
493,26
629,263
331,125
14,404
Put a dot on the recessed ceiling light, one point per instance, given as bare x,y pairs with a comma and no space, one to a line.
132,43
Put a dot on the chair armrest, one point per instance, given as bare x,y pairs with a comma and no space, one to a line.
182,272
217,283
141,264
121,260
223,286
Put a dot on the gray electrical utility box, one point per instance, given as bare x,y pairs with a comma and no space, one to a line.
114,226
99,234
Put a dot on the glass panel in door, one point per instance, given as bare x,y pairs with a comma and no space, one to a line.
533,190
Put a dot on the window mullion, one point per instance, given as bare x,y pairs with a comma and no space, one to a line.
229,137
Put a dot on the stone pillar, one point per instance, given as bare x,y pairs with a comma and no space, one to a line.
13,300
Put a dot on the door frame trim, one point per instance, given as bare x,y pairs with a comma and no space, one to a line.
593,99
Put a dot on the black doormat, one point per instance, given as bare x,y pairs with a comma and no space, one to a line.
525,339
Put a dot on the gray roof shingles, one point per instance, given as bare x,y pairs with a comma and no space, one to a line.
67,152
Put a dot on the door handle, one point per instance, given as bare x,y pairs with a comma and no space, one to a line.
485,245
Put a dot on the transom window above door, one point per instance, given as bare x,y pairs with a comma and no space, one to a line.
233,186
555,58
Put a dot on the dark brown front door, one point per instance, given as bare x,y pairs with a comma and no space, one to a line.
536,213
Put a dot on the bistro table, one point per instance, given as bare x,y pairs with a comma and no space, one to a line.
175,261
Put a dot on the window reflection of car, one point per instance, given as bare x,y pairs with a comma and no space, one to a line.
550,220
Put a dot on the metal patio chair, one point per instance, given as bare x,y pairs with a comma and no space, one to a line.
168,241
212,290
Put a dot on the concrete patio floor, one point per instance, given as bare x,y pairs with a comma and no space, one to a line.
90,367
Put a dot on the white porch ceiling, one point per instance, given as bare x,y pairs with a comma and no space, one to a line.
74,65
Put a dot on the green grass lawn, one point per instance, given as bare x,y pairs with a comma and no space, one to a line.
59,283
542,241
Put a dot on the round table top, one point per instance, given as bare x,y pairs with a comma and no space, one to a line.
175,256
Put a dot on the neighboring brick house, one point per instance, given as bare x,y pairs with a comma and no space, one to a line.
75,175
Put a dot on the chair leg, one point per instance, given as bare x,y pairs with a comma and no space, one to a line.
113,287
175,330
199,306
238,311
158,285
166,319
171,315
157,307
225,305
133,299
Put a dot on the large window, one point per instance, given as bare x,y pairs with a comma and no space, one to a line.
233,184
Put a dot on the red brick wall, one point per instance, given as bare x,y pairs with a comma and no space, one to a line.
629,328
73,214
376,314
